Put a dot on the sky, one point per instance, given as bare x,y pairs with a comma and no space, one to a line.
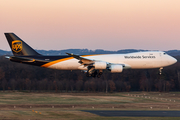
92,24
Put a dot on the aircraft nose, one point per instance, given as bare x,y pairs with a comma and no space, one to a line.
173,60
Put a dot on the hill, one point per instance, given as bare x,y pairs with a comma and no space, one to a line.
87,51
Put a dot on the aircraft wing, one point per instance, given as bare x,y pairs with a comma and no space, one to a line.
82,60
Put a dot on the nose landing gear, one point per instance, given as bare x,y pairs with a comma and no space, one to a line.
160,70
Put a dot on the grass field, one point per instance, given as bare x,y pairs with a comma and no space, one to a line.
65,106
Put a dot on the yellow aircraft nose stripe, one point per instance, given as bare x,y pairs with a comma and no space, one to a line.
56,61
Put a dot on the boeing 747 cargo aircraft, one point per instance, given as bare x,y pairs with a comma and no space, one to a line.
93,64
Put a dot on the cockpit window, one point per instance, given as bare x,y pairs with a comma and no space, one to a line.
165,54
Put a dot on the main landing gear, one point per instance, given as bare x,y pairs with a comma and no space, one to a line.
93,73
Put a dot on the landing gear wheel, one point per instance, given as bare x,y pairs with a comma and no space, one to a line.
160,71
94,74
99,74
87,74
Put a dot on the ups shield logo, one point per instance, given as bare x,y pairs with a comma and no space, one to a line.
16,46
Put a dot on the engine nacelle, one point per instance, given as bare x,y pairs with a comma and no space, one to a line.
100,65
116,68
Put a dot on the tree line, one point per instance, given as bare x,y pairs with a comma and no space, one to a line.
17,76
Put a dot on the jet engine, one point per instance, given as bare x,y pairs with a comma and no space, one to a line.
100,65
116,68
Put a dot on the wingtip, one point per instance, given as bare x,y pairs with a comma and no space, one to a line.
69,53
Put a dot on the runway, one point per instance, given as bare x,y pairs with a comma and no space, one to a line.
119,113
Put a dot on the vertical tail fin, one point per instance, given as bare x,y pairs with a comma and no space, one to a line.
18,46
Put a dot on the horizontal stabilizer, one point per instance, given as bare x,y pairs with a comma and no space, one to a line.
21,59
